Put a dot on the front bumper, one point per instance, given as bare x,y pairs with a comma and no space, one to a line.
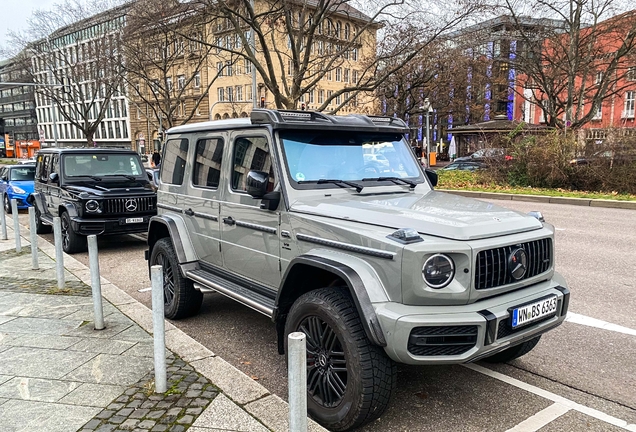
107,226
21,200
482,328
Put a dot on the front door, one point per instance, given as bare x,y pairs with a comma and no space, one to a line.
250,240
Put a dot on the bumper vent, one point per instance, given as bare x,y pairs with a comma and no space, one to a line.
130,205
492,265
442,341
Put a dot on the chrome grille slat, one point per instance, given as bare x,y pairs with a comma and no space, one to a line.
118,205
492,265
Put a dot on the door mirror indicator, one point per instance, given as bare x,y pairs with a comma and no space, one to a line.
257,183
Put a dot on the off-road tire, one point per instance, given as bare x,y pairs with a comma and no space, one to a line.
370,375
41,228
181,299
71,241
7,204
514,352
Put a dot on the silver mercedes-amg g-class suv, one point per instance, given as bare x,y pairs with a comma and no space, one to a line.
329,225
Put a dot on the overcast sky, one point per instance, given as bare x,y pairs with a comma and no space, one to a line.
16,12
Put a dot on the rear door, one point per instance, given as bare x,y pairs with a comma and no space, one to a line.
250,240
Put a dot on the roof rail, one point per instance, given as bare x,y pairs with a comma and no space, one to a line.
390,121
267,116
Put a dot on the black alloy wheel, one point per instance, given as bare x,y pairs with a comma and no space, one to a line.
349,379
71,241
180,298
326,362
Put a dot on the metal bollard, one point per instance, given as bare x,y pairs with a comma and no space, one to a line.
16,226
96,283
3,222
158,328
297,381
34,240
59,253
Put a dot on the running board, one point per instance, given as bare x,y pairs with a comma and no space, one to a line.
249,298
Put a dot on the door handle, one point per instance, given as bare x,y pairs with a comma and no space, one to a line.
189,212
229,221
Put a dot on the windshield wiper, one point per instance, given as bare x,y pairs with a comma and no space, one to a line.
396,180
337,182
129,177
89,176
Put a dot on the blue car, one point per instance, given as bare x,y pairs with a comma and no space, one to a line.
16,182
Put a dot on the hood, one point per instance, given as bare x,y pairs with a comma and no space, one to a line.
26,185
435,213
107,190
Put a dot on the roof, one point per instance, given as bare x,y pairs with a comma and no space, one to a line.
288,119
497,125
84,150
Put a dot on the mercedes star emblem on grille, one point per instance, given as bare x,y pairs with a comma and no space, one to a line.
131,205
518,263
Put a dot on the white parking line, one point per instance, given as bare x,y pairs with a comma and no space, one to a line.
540,419
593,322
553,397
145,289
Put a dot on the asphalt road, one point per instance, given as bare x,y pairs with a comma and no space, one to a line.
593,368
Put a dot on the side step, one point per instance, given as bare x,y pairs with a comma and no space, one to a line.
249,298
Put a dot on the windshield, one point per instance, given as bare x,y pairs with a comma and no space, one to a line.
23,173
100,165
312,156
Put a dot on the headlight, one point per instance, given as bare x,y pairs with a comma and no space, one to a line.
92,206
438,271
18,190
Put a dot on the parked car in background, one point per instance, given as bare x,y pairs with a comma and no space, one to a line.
465,166
16,182
486,155
29,161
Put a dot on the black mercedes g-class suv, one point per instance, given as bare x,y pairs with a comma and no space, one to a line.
93,191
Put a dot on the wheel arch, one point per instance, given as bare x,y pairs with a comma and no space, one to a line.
319,272
173,227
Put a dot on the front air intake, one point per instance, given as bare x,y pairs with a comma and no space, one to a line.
442,341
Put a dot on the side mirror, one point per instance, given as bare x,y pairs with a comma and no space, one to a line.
257,183
432,176
54,178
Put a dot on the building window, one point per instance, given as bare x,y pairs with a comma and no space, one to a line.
311,96
628,110
346,75
219,68
329,75
239,93
169,83
598,78
228,68
197,80
181,82
354,76
248,66
631,74
338,74
229,94
598,113
321,96
221,94
329,96
248,92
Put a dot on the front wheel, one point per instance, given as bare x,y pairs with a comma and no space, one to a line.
514,352
7,205
180,298
71,241
349,380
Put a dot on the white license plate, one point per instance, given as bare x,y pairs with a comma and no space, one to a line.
534,311
134,220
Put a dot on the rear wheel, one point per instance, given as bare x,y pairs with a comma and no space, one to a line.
7,204
514,352
71,241
180,298
349,380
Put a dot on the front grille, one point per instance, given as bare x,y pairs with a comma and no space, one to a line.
491,269
122,205
439,341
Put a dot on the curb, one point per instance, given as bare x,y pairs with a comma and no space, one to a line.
587,202
269,409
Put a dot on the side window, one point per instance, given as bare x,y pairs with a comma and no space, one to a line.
3,172
207,162
55,165
250,153
174,160
43,169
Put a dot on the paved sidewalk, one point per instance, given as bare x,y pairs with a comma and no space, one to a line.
57,373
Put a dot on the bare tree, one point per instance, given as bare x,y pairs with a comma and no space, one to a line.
73,54
168,62
572,68
299,43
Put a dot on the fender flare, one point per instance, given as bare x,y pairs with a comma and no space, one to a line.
36,200
177,233
356,287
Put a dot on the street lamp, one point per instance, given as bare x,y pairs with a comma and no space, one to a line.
428,109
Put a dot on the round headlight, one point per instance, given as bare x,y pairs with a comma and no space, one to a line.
92,206
438,271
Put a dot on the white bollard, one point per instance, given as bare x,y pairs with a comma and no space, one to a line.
16,226
3,222
297,381
96,283
34,240
158,328
59,253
